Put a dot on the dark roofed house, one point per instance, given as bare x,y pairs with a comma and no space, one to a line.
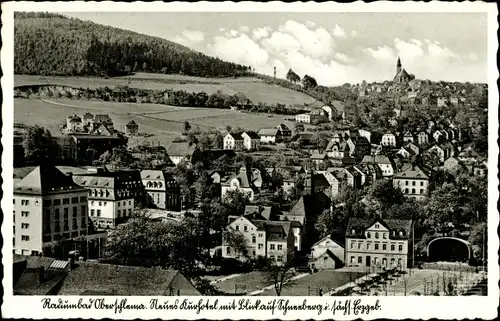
107,279
131,129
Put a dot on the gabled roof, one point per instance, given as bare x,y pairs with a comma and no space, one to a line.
251,134
88,116
45,180
125,280
180,149
283,127
268,132
376,159
102,118
410,171
361,224
258,212
318,155
236,136
147,174
131,123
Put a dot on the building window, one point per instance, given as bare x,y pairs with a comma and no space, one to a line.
376,246
228,250
406,183
92,212
25,202
237,227
25,214
413,191
74,200
118,204
280,247
260,246
272,247
254,239
280,258
25,226
353,231
384,247
376,235
413,183
360,259
401,233
359,246
65,201
352,259
129,212
83,199
368,245
119,213
98,213
83,222
245,228
368,235
393,247
406,191
25,237
384,261
352,244
384,235
421,183
400,248
75,211
57,202
66,212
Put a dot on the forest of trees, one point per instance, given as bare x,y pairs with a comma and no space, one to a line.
49,44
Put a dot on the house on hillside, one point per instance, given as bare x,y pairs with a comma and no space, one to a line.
388,139
251,140
233,141
243,181
132,129
284,132
413,182
269,135
385,163
179,152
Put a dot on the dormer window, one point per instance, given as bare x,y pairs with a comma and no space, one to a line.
401,233
353,231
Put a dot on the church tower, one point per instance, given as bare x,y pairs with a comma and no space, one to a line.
398,66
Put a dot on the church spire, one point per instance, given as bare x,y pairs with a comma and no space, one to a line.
398,66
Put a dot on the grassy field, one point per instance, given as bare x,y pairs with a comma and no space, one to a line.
162,121
255,89
310,285
243,284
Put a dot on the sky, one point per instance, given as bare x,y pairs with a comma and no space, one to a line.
334,48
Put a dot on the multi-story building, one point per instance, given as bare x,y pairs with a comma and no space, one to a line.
388,139
162,189
233,141
413,182
379,243
327,254
48,207
385,164
270,239
251,140
269,135
111,200
243,182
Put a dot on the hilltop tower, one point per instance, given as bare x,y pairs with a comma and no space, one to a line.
398,66
274,72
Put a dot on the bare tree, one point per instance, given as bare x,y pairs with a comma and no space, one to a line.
280,274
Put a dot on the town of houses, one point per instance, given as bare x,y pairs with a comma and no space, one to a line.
54,203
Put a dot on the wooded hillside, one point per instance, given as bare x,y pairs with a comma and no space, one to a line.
50,44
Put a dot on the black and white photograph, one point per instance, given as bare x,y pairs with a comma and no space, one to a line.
252,155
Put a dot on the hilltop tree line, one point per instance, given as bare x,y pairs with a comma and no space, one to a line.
48,44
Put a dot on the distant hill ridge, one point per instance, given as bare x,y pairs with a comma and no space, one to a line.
52,44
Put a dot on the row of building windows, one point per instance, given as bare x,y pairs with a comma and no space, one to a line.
377,246
65,201
272,247
101,203
414,191
376,261
413,183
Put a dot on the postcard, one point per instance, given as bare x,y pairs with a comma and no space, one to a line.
250,160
